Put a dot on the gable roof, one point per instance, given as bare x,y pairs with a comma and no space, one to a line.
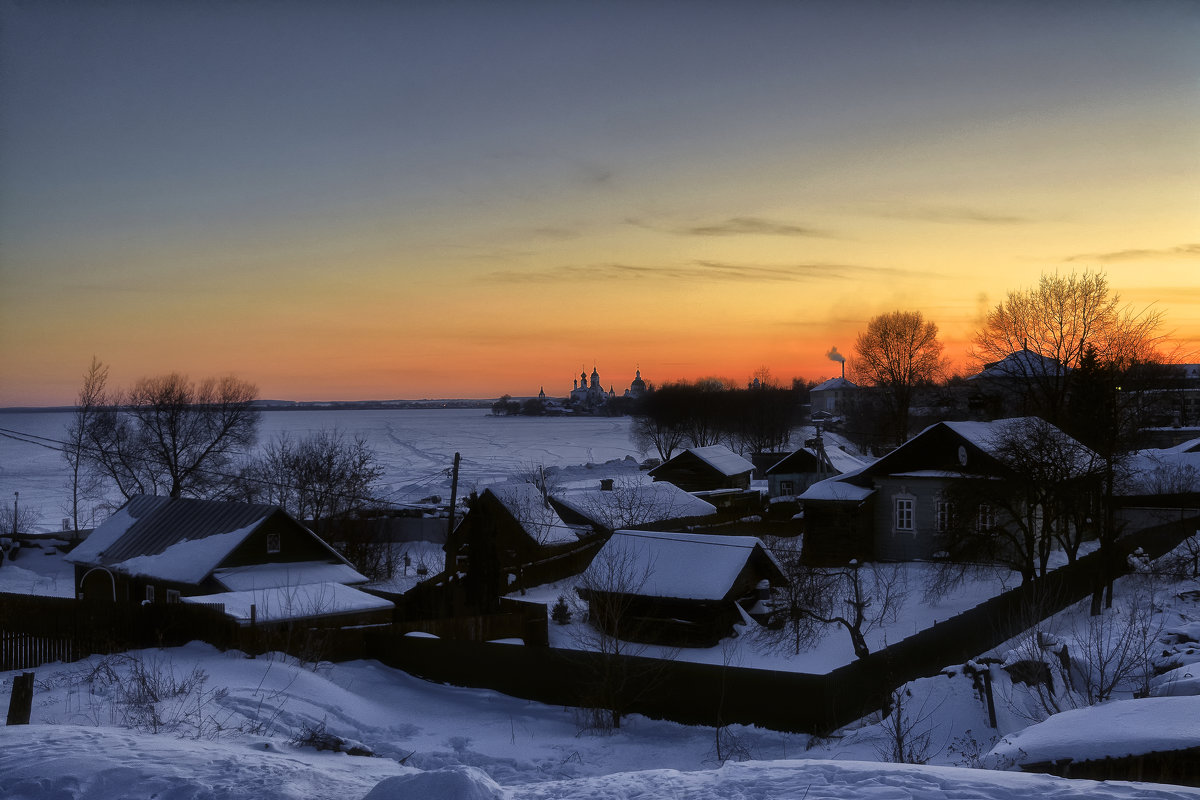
805,460
537,517
839,488
688,566
935,452
717,456
1023,363
833,384
174,538
625,506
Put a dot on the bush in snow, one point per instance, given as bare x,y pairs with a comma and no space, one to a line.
561,613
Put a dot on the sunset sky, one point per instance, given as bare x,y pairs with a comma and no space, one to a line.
371,200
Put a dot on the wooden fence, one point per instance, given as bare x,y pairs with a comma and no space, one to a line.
33,629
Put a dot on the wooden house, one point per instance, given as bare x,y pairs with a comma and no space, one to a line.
512,537
613,505
801,468
701,469
906,505
677,588
256,560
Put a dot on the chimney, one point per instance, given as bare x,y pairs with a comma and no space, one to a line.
606,484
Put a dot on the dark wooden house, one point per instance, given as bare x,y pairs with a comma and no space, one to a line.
906,505
514,537
677,589
253,559
703,469
614,505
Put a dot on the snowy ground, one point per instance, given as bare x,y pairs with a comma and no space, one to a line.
415,448
750,649
229,726
231,730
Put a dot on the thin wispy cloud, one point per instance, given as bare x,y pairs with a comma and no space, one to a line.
1180,251
950,214
736,226
703,271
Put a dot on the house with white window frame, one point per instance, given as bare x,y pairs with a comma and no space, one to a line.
904,506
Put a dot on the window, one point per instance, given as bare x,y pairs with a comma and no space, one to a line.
150,593
273,543
904,514
172,595
943,515
786,488
986,519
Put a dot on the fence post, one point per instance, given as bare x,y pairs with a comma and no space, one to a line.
21,704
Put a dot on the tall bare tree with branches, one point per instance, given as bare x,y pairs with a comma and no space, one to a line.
898,352
169,435
1055,322
85,483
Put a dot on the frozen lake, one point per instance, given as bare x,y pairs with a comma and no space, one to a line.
415,448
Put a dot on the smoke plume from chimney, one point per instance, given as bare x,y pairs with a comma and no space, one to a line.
834,355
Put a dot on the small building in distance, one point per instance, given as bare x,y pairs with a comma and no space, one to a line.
801,468
833,397
704,469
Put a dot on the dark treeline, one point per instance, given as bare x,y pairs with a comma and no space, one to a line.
707,412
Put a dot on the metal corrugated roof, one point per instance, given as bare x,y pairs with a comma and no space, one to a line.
160,522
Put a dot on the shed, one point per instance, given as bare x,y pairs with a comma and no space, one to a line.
701,469
677,588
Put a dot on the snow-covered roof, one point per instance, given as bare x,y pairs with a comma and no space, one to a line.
173,539
1109,730
837,488
269,576
987,435
1165,471
839,459
293,602
1021,364
147,524
722,459
634,504
833,384
1190,446
688,566
534,513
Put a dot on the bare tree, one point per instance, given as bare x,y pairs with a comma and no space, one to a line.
326,477
1048,499
907,727
899,351
168,435
855,597
610,587
790,629
1055,322
85,483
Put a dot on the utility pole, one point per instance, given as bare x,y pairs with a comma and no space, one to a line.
453,496
16,498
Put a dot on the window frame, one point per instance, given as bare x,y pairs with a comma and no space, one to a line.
904,510
274,543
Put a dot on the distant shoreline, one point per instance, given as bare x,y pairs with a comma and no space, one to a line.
310,405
